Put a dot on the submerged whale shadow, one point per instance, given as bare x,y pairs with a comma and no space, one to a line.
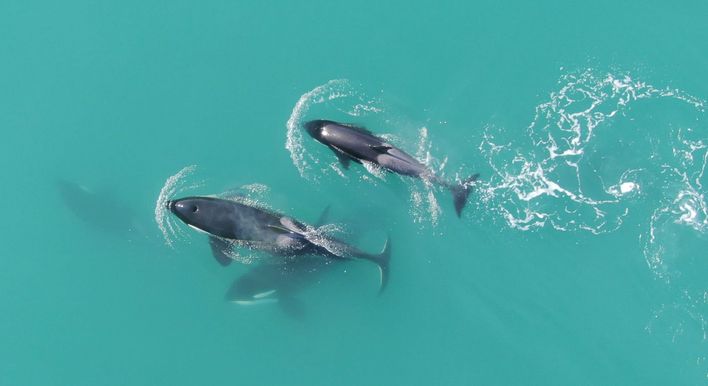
99,210
280,283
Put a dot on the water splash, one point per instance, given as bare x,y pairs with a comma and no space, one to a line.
173,185
555,184
250,194
587,159
682,205
424,205
325,237
374,170
256,189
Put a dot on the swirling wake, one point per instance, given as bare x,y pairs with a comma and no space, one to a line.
173,185
588,159
552,176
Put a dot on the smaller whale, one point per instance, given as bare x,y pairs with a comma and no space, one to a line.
352,143
100,210
229,222
279,283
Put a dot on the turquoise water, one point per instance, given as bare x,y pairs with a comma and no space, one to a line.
580,258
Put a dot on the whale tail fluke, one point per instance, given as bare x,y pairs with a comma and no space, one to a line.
461,192
382,261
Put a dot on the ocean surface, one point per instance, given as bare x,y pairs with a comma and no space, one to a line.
580,259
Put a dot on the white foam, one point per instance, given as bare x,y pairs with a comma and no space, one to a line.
324,236
374,170
672,182
627,187
683,204
256,188
425,208
162,216
333,89
527,187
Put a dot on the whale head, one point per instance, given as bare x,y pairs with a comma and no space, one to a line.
316,128
205,214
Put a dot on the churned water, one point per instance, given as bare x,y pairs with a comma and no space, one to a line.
580,258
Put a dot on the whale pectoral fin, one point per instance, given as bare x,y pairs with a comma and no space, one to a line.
291,306
220,249
344,158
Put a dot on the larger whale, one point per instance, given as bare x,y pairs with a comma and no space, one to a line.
352,143
229,222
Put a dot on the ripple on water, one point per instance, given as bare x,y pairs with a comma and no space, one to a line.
173,185
546,178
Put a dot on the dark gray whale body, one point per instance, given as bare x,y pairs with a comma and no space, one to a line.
227,221
351,143
270,283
